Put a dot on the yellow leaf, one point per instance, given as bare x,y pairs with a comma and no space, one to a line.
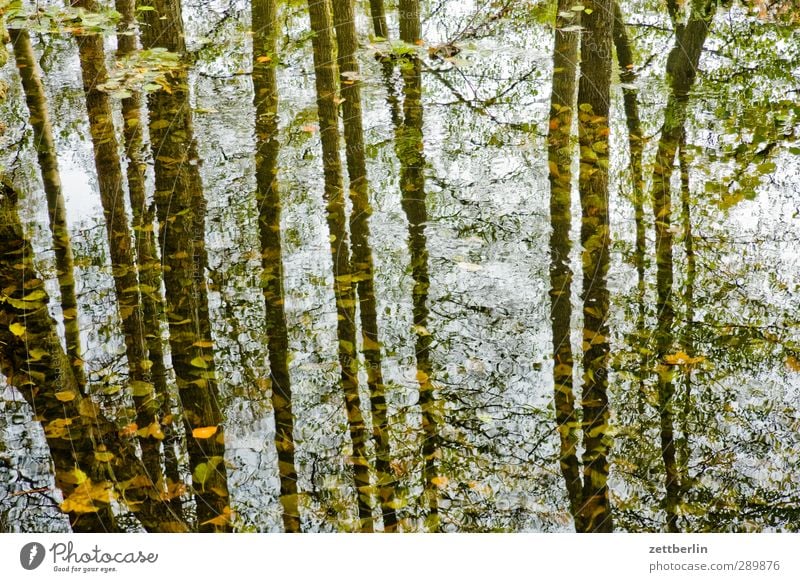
422,377
35,295
682,359
203,344
103,456
222,519
17,329
37,354
793,363
129,430
204,432
65,396
421,330
264,59
199,362
152,430
440,481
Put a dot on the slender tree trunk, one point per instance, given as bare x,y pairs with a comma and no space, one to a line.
181,208
378,13
148,263
362,267
51,178
635,148
683,446
33,361
593,131
109,176
265,86
410,152
681,72
325,72
560,155
627,76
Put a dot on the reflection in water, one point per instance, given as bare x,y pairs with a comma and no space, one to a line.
181,206
410,320
51,180
593,133
265,88
681,69
148,267
560,152
410,152
362,269
325,70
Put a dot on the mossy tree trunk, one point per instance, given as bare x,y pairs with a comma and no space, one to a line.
362,267
560,155
93,463
682,65
48,163
265,29
326,73
411,153
181,208
148,264
593,134
110,181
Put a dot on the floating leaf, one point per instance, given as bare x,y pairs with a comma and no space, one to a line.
17,329
440,481
199,362
141,389
682,359
129,430
103,456
65,396
222,519
202,473
152,430
35,295
204,432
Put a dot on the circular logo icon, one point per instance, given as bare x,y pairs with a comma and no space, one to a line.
31,555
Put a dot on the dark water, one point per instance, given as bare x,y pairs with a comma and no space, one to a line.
700,431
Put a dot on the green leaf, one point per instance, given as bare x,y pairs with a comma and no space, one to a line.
199,362
141,389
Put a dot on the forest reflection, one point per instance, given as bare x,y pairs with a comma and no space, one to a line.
399,267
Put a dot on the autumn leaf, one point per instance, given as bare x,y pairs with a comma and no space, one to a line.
65,396
152,430
129,430
17,329
199,362
682,359
222,519
103,456
440,481
204,432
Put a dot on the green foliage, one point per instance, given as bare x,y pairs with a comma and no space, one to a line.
62,19
143,70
